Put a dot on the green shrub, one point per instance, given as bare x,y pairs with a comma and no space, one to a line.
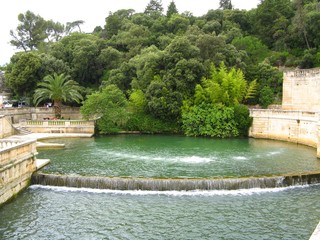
243,119
266,96
140,121
210,120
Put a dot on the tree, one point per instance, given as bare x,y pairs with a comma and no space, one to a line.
312,26
163,101
172,9
226,4
131,38
23,73
266,97
80,52
178,24
147,65
269,76
58,88
108,106
154,8
54,31
51,65
72,25
215,109
30,32
224,87
115,21
256,50
270,17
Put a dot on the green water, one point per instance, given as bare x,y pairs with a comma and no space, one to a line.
178,157
65,213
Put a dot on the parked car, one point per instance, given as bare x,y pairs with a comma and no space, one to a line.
7,104
22,104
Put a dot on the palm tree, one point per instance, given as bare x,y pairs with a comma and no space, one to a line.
58,88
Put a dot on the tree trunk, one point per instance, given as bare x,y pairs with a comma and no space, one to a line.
57,108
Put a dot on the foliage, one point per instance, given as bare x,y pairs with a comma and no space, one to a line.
23,73
30,32
163,102
266,96
82,52
271,21
154,8
243,119
34,32
172,9
210,120
138,101
226,87
270,76
108,106
215,109
146,123
255,49
225,4
58,88
161,60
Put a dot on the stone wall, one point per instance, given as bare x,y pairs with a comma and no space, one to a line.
17,163
40,113
301,90
292,126
6,128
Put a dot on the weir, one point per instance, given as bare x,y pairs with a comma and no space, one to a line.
150,184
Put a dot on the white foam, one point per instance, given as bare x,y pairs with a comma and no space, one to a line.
274,153
240,158
145,157
194,159
209,193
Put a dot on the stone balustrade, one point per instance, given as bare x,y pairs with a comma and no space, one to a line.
58,126
8,143
297,73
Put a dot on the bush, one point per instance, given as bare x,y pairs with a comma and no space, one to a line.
140,121
210,120
243,119
266,97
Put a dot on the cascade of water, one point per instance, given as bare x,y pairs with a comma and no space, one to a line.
174,184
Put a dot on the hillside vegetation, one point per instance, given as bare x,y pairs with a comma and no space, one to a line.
166,71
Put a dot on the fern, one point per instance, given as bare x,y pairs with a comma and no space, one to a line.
252,90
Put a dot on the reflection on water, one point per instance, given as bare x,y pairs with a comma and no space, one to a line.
66,213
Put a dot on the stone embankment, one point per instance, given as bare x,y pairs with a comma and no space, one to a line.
293,126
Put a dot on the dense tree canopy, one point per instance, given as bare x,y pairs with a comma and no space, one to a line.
165,58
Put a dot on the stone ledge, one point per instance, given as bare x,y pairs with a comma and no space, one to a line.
40,163
316,233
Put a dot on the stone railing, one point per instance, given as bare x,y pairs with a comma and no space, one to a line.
58,126
11,150
303,72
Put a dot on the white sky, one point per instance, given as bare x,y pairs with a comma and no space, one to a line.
93,12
